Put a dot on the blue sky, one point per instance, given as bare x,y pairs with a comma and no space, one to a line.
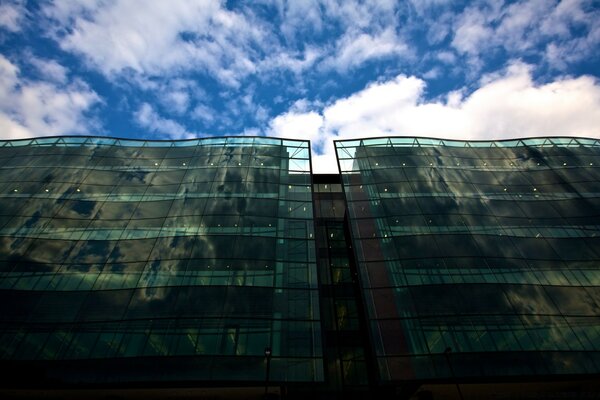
320,70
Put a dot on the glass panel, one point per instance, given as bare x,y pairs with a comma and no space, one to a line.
476,247
118,251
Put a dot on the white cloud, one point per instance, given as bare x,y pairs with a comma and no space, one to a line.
354,48
39,108
567,13
562,53
519,29
147,117
8,78
308,126
11,15
353,14
561,31
373,107
433,73
48,69
506,105
296,62
160,37
136,37
203,113
261,114
423,7
357,31
300,16
176,95
447,57
298,125
439,28
177,101
472,33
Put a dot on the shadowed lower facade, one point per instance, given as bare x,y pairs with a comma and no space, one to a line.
426,269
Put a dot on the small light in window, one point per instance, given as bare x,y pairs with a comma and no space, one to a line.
235,225
385,190
376,163
505,189
512,164
219,225
155,163
331,235
15,190
484,164
564,163
360,186
535,189
47,190
266,266
403,164
304,208
79,190
385,235
591,163
269,224
239,163
538,163
430,164
212,164
457,164
209,267
228,266
289,186
183,164
261,164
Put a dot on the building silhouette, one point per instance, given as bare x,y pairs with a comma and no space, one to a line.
223,268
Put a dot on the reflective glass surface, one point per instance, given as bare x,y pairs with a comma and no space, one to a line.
345,341
173,260
477,258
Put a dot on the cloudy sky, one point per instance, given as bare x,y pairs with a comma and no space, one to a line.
314,69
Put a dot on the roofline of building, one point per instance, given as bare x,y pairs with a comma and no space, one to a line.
466,143
116,138
374,138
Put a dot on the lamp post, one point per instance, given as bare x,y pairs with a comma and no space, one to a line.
447,355
268,357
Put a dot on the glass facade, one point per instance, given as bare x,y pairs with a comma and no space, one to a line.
424,262
126,261
477,259
345,342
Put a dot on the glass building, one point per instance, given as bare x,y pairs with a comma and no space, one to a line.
225,264
477,260
158,261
